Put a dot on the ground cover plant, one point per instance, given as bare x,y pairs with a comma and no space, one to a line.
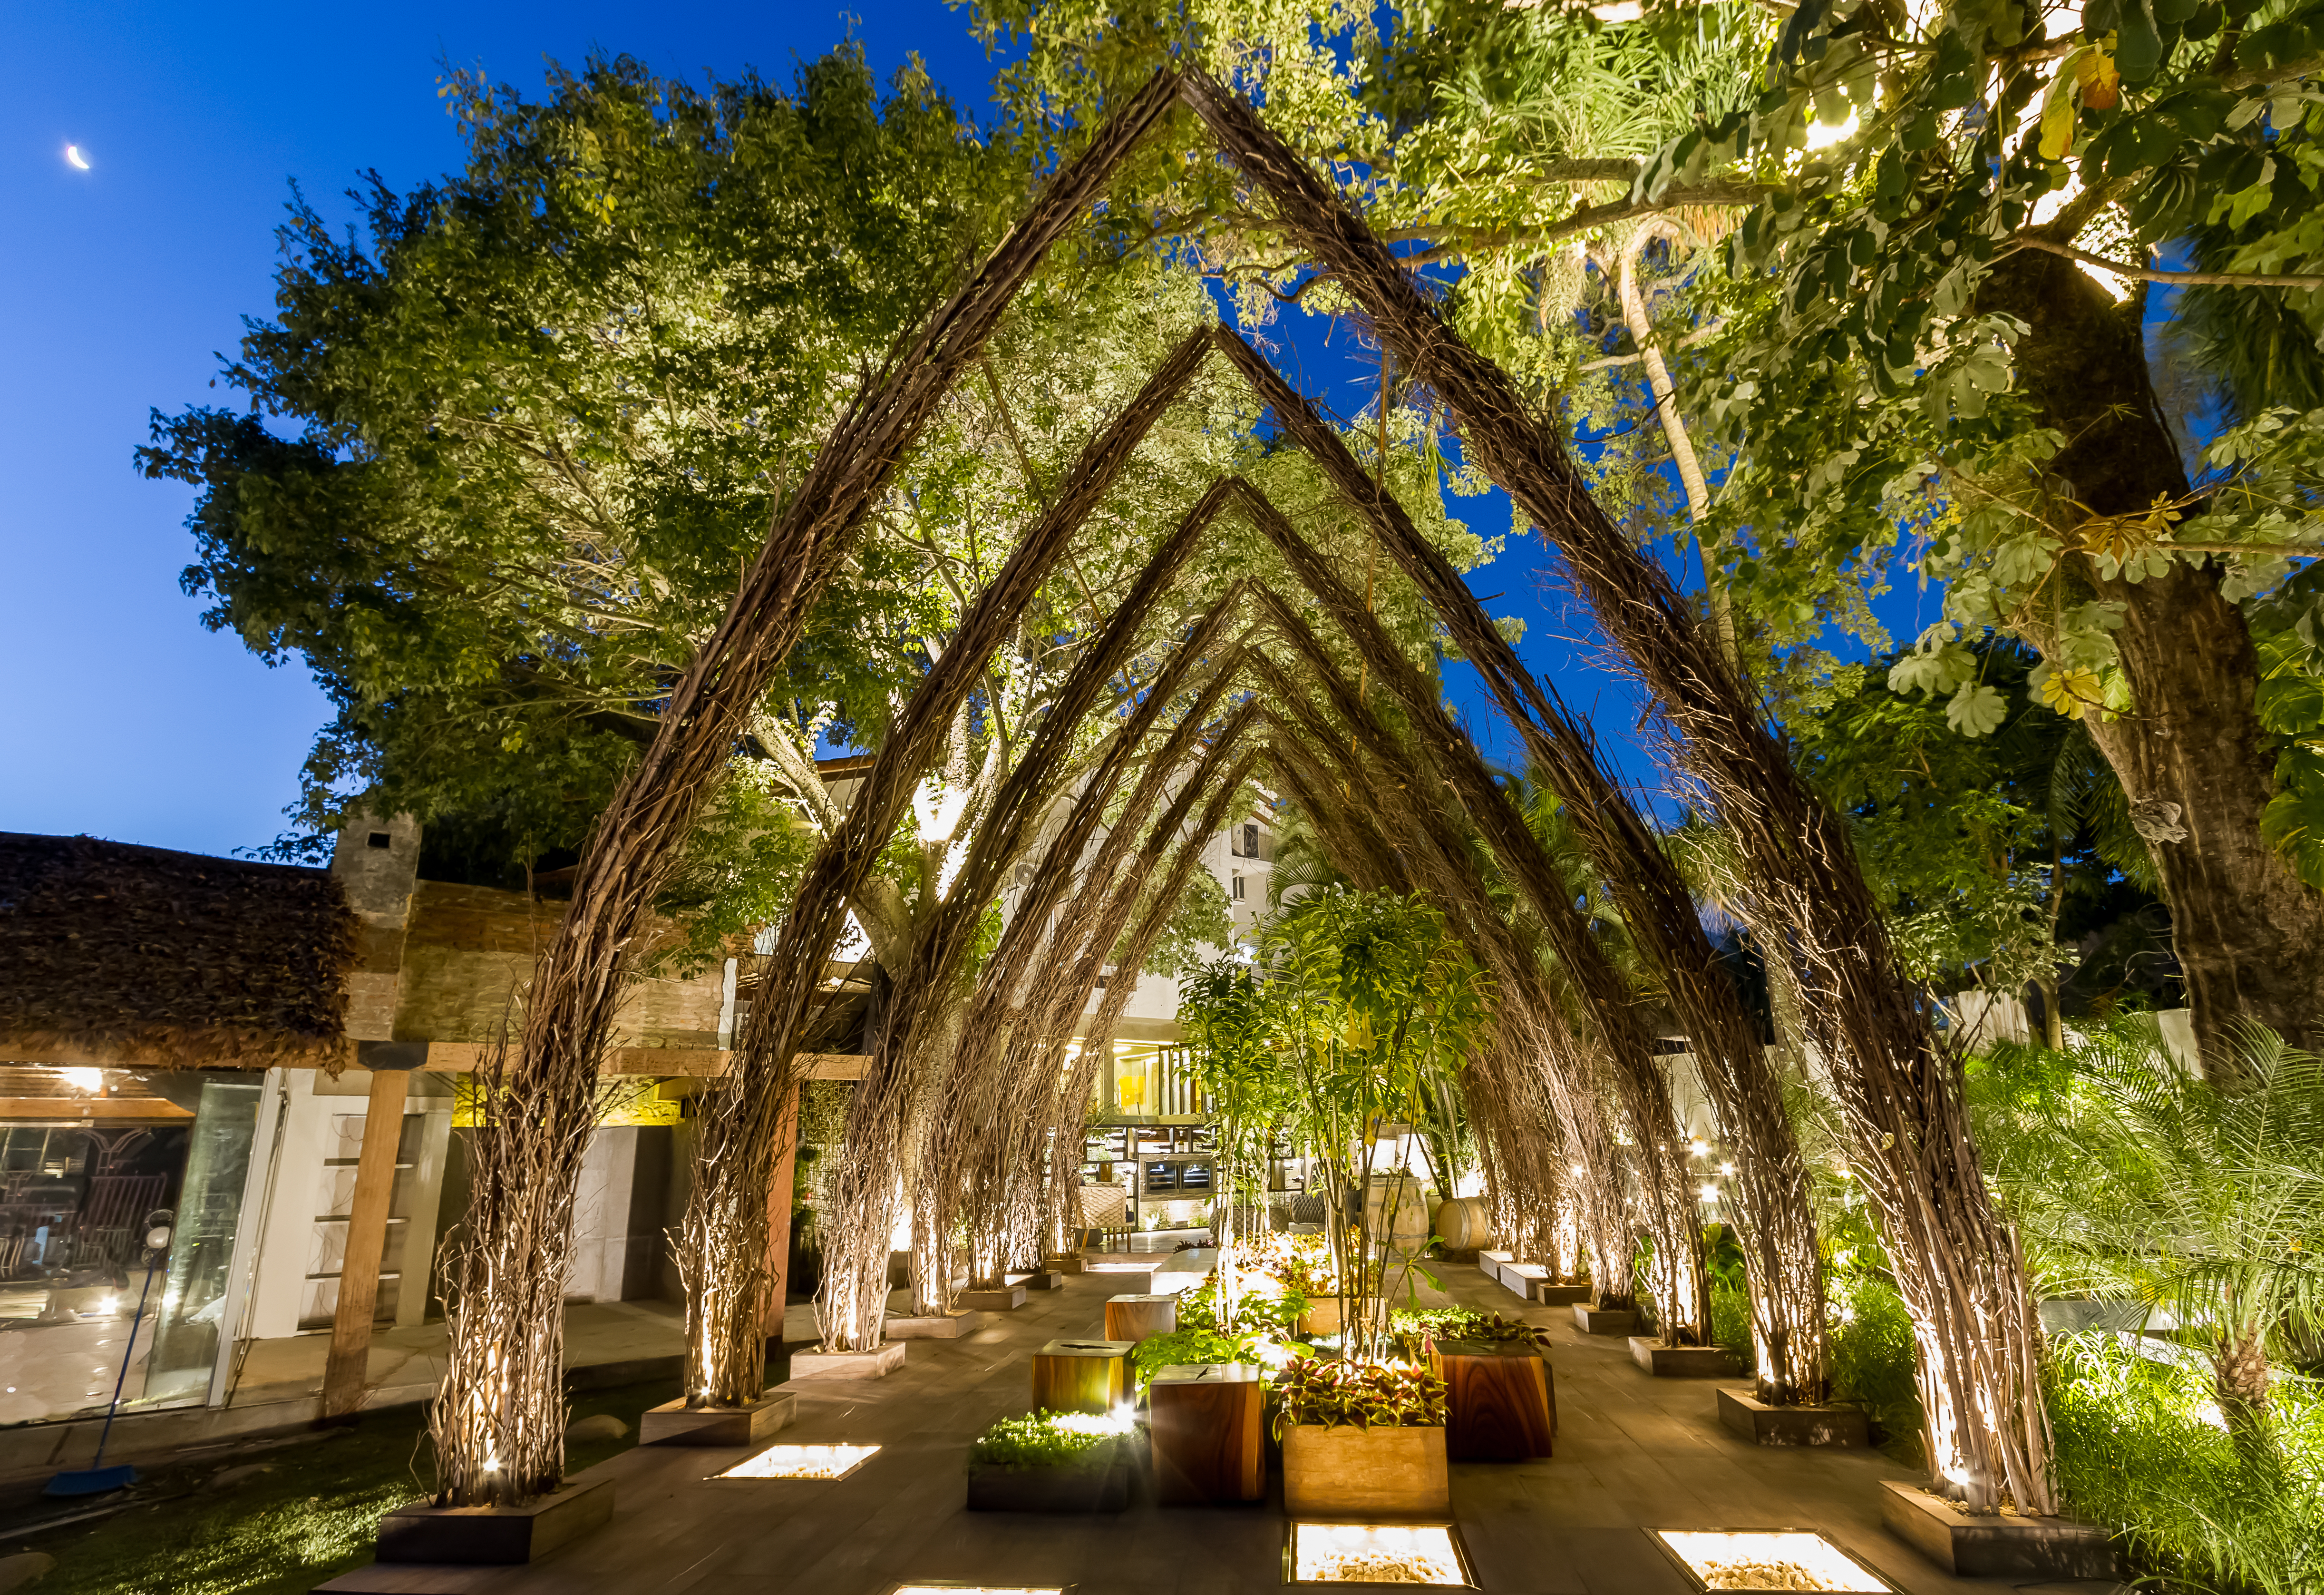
311,1515
1044,1439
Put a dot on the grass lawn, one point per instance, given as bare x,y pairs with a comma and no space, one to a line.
312,1516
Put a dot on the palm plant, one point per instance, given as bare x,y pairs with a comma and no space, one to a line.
2131,1177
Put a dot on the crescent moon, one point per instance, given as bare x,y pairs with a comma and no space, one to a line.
73,155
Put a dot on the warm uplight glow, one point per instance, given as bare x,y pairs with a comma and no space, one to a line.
1822,135
1697,1148
802,1461
1577,1171
1373,1554
1727,1168
1710,1193
91,1080
1785,1560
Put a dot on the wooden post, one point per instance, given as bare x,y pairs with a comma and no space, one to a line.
779,1221
350,1358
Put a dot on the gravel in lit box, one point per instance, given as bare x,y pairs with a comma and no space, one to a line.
801,1461
1787,1560
1374,1554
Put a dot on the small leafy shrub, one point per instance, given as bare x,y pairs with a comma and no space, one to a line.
1872,1356
1044,1440
2143,1447
1333,1392
1730,1325
1255,1312
1197,1345
1414,1329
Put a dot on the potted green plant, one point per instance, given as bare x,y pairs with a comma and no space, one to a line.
1362,1438
1051,1462
1500,1397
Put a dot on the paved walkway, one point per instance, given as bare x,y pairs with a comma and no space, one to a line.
1632,1452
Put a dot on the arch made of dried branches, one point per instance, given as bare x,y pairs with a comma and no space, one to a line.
495,1421
1553,1084
1059,1146
1665,1196
732,1275
1773,1209
1957,1265
891,1101
1031,991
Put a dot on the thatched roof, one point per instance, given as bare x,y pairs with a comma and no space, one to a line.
124,956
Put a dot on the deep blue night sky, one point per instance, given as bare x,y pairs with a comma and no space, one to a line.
123,718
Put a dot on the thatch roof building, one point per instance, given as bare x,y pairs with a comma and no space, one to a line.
121,956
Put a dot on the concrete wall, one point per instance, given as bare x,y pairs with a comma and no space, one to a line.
619,1216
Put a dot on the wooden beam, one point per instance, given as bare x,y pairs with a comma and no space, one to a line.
465,1057
345,1370
779,1221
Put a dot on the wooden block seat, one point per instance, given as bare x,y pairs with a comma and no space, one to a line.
1083,1376
1207,1419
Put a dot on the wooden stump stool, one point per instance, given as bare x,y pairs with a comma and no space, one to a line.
1082,1375
1141,1317
1500,1400
1206,1421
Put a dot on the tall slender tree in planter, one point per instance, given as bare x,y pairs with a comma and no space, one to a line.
1369,995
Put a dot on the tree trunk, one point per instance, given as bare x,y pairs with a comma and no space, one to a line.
2189,753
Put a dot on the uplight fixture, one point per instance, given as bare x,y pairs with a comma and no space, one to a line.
1772,1559
1710,1193
801,1461
1424,1555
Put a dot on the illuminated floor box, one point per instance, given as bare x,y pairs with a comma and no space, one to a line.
1425,1555
802,1461
1770,1559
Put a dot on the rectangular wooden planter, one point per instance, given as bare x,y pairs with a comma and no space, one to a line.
1549,1293
1501,1403
1007,1299
1206,1420
2000,1546
1349,1472
1141,1317
1083,1376
495,1536
1682,1362
1593,1319
675,1423
1044,1278
1745,1414
1069,1263
1097,1482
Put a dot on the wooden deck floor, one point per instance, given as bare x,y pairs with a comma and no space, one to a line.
1633,1453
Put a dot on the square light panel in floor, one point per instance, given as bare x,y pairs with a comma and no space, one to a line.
1788,1559
801,1461
1375,1554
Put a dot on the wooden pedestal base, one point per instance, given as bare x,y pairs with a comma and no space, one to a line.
1549,1295
1682,1362
1593,1319
495,1536
1206,1420
875,1364
1745,1414
1995,1547
945,1326
1007,1299
675,1423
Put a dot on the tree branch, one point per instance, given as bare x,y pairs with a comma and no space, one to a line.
2148,274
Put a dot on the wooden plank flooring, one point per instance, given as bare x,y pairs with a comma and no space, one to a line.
1633,1453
